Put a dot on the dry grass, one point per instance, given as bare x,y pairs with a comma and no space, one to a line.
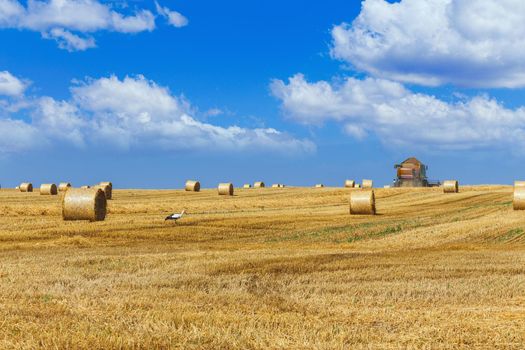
268,268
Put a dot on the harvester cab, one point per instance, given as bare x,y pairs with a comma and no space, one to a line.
412,173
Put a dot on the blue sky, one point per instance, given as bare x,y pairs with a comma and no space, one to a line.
148,95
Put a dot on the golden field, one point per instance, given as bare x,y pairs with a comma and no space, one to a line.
267,268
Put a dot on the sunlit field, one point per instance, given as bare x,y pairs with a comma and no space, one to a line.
266,268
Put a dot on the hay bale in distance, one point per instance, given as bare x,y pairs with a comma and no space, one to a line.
319,186
519,183
109,194
63,186
357,186
350,183
451,186
368,184
247,186
362,203
86,187
84,204
276,185
26,187
259,184
192,186
225,189
48,189
105,188
518,201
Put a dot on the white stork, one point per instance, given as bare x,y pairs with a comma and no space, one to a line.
175,216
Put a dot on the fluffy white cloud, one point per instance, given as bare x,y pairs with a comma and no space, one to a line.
69,41
11,85
175,18
136,113
474,43
70,22
401,117
18,136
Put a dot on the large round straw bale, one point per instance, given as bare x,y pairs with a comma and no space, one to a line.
368,184
85,187
259,184
109,194
362,203
106,189
226,189
63,186
350,183
451,186
84,204
247,186
319,186
26,187
276,185
519,198
357,186
48,189
519,183
193,186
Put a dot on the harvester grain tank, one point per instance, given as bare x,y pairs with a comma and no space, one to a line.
413,173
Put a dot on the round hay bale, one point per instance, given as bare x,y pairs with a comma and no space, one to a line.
363,203
451,186
319,186
350,183
368,184
276,185
225,189
63,186
259,184
84,204
109,194
26,187
357,186
247,186
192,186
519,183
105,188
85,187
48,189
518,201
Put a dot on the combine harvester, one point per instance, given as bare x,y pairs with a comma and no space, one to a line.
413,173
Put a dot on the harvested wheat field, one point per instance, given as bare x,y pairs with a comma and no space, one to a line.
266,268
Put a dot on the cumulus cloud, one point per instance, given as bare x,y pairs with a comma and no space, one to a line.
472,43
18,136
70,22
11,85
399,116
174,18
134,113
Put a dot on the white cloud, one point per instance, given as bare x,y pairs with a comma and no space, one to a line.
474,43
401,117
70,21
60,120
69,41
175,18
137,113
18,136
11,85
